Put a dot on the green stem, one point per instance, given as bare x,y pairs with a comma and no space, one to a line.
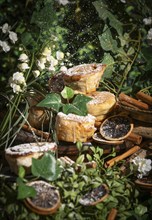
129,65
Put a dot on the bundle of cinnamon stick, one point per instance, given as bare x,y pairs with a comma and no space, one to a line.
142,101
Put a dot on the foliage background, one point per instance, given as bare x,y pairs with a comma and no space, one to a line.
82,28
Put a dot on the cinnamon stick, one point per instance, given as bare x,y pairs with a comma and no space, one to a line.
131,151
144,97
112,214
40,133
135,138
129,105
132,101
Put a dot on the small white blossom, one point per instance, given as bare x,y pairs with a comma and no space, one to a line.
5,28
143,165
63,2
43,60
149,35
18,78
36,73
4,46
23,66
46,51
147,21
63,69
51,68
13,36
41,66
23,58
59,55
68,54
123,1
16,88
53,61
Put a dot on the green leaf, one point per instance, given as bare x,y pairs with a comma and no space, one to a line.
140,210
80,159
78,106
70,108
67,93
46,167
105,14
24,190
107,42
80,102
27,39
109,61
43,16
52,101
21,172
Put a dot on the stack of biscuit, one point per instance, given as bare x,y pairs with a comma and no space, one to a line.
85,79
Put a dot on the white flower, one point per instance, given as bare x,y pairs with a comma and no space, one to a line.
149,35
63,2
63,69
68,54
147,21
23,66
123,1
59,55
43,60
143,165
23,58
41,66
53,61
36,73
4,46
46,51
18,78
13,36
51,68
16,88
5,28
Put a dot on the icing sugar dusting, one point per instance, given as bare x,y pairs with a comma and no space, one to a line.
77,118
84,69
28,148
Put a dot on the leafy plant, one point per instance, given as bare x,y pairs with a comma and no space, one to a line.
73,184
76,106
123,40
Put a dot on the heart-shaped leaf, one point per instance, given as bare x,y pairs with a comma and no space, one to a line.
80,102
24,190
67,93
52,100
70,108
46,167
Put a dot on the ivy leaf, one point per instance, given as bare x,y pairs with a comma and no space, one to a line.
67,93
107,42
80,102
105,14
21,172
46,167
78,106
24,190
109,61
38,18
70,108
52,101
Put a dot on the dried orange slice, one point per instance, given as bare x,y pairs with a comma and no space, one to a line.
116,127
95,196
47,199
